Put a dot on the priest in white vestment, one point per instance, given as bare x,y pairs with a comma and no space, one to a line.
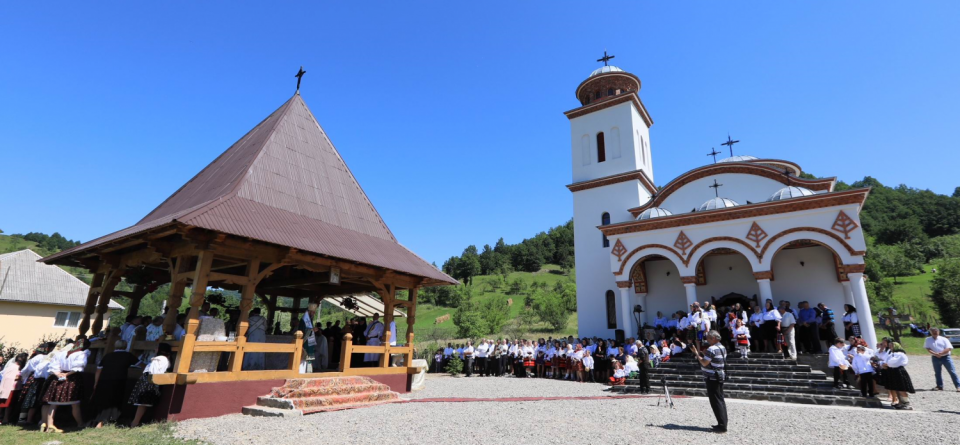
373,334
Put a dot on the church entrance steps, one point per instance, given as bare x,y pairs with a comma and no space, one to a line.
783,397
759,372
305,396
735,365
765,387
807,383
748,361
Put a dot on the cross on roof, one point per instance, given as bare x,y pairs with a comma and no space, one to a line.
299,76
730,143
714,153
605,58
716,188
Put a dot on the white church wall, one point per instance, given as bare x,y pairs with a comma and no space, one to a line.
619,117
725,274
738,187
815,281
665,293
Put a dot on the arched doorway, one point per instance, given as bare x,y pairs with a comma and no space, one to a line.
808,270
725,274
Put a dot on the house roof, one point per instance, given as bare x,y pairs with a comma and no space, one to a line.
284,183
24,279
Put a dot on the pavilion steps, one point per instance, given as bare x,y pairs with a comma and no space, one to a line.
305,396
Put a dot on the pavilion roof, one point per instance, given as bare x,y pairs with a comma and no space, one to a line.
283,183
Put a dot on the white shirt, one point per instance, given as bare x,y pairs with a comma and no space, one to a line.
712,313
756,319
513,350
772,315
393,333
851,318
468,351
631,367
527,351
837,357
787,320
897,360
482,350
70,363
158,365
550,353
861,362
937,346
741,330
683,323
30,366
588,362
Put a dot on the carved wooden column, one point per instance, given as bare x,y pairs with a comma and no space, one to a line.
388,305
108,286
91,303
199,289
246,304
177,285
135,298
411,319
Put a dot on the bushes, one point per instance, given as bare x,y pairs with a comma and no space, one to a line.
454,365
946,292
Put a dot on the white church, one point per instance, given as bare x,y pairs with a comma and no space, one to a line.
743,229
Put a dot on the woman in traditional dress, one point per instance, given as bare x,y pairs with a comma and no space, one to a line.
529,358
34,376
576,363
67,387
256,333
897,379
851,323
771,327
9,381
110,383
741,338
146,393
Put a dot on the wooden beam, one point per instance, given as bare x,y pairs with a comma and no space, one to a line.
246,304
232,279
180,265
109,285
199,289
91,302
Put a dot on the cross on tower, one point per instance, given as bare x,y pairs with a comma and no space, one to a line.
730,143
714,153
605,58
716,188
299,76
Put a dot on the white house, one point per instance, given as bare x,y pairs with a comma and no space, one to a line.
742,229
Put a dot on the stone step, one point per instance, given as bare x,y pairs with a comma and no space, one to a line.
808,399
750,387
285,392
740,361
310,404
813,375
734,366
265,411
806,383
337,382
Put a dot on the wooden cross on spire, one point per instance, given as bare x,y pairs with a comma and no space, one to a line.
730,143
716,188
714,153
605,58
299,76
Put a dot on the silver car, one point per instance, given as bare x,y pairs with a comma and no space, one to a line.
953,335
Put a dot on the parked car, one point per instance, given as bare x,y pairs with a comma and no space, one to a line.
953,335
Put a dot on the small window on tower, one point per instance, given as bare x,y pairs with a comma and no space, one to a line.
597,94
601,149
605,221
610,92
611,310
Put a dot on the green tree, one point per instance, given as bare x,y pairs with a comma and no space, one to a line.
946,291
454,365
468,317
469,265
550,309
495,312
894,262
526,258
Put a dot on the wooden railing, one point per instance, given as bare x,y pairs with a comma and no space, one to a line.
385,350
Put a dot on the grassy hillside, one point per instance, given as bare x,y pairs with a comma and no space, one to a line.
13,244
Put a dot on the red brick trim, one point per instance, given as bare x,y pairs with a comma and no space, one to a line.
646,246
624,284
855,268
609,102
778,162
815,230
638,274
766,275
618,250
854,196
683,242
605,77
636,175
732,167
688,280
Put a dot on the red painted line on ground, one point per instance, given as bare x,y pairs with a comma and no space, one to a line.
530,399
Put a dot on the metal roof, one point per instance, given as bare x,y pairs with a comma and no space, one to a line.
284,183
23,279
367,305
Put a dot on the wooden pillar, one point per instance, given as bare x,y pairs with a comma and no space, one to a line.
246,304
388,306
345,352
271,312
108,286
411,319
294,363
91,302
136,298
295,315
199,289
175,298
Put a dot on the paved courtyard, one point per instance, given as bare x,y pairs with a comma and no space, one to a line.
591,415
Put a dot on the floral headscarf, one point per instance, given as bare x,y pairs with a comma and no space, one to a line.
896,347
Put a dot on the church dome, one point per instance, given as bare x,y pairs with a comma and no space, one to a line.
717,203
604,70
790,192
738,159
653,212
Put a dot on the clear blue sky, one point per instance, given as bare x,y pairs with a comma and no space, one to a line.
450,113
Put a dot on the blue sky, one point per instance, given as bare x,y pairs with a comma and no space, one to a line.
450,113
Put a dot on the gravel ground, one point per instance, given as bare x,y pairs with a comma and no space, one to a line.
591,421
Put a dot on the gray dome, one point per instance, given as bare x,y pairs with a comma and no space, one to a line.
790,192
717,203
738,159
604,70
653,212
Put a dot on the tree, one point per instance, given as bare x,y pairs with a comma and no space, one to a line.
945,289
468,317
469,265
894,262
567,290
549,309
525,258
495,312
454,365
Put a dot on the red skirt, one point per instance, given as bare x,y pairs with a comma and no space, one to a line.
578,366
528,363
563,363
64,392
549,362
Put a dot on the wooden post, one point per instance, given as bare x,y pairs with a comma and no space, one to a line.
246,304
177,286
108,286
136,298
411,319
297,355
345,352
385,357
271,312
199,288
91,302
295,315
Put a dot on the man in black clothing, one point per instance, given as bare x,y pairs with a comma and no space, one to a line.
712,364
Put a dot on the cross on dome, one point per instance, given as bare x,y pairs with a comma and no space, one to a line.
605,58
716,188
730,143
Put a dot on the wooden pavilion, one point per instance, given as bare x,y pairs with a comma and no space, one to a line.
278,214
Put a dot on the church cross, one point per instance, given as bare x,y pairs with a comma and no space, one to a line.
714,153
730,143
299,76
605,58
716,188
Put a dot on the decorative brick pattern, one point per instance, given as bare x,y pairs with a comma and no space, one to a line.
756,234
765,275
841,270
683,242
636,175
638,274
844,224
624,284
815,230
607,103
619,250
855,268
701,274
688,280
625,82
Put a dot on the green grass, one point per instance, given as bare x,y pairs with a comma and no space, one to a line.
154,434
13,244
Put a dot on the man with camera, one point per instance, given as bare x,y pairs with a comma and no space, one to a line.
712,364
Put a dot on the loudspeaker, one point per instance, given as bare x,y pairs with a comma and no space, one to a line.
621,337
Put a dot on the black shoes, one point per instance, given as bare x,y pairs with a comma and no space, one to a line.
719,429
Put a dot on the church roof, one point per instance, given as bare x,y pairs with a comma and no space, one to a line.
284,183
790,192
23,279
604,70
717,203
654,212
745,158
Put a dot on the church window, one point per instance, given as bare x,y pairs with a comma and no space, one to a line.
611,310
610,92
597,94
604,221
601,148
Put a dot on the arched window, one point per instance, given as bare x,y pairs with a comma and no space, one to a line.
643,149
605,220
601,148
610,92
611,310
